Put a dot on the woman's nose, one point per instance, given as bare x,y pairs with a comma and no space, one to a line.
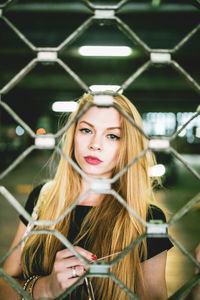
95,144
94,147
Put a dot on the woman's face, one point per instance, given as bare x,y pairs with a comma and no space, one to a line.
97,141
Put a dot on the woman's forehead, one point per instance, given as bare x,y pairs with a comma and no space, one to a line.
110,117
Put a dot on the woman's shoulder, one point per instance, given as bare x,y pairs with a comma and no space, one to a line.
40,188
34,196
155,213
156,245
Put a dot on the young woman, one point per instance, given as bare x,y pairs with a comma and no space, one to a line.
102,143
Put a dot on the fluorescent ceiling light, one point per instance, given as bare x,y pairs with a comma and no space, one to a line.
182,133
105,51
64,106
103,88
197,132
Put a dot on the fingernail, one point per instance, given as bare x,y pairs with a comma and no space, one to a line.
94,257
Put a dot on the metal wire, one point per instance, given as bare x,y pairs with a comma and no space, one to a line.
50,54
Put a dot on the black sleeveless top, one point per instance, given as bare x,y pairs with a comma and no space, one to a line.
154,245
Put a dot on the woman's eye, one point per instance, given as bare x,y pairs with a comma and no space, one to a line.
113,137
85,130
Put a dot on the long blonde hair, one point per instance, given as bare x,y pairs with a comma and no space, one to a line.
109,227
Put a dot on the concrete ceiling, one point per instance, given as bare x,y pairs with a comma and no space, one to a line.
46,24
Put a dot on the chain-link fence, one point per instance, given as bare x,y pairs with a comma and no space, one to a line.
49,141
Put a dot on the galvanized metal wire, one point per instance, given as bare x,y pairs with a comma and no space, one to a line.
163,143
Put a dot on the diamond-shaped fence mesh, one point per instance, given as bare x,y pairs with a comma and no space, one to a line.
49,141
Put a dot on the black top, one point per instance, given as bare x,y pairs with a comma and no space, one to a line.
154,245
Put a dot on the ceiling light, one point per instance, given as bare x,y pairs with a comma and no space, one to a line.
103,88
182,132
40,131
197,132
64,106
105,51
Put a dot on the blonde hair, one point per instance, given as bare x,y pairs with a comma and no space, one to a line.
109,227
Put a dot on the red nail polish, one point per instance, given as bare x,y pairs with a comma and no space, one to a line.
94,257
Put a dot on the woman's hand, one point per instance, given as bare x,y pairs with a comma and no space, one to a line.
67,269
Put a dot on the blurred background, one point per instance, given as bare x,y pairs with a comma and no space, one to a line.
165,98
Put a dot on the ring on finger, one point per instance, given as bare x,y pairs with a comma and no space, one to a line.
74,272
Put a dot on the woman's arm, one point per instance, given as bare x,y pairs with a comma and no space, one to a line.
50,286
12,266
195,292
154,278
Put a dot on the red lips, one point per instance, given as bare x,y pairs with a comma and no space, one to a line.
92,160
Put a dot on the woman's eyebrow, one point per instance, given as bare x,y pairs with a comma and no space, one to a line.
87,123
109,128
115,127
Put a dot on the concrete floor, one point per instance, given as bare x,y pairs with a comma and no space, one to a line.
186,231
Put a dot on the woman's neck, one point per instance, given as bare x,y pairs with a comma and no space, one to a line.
91,199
